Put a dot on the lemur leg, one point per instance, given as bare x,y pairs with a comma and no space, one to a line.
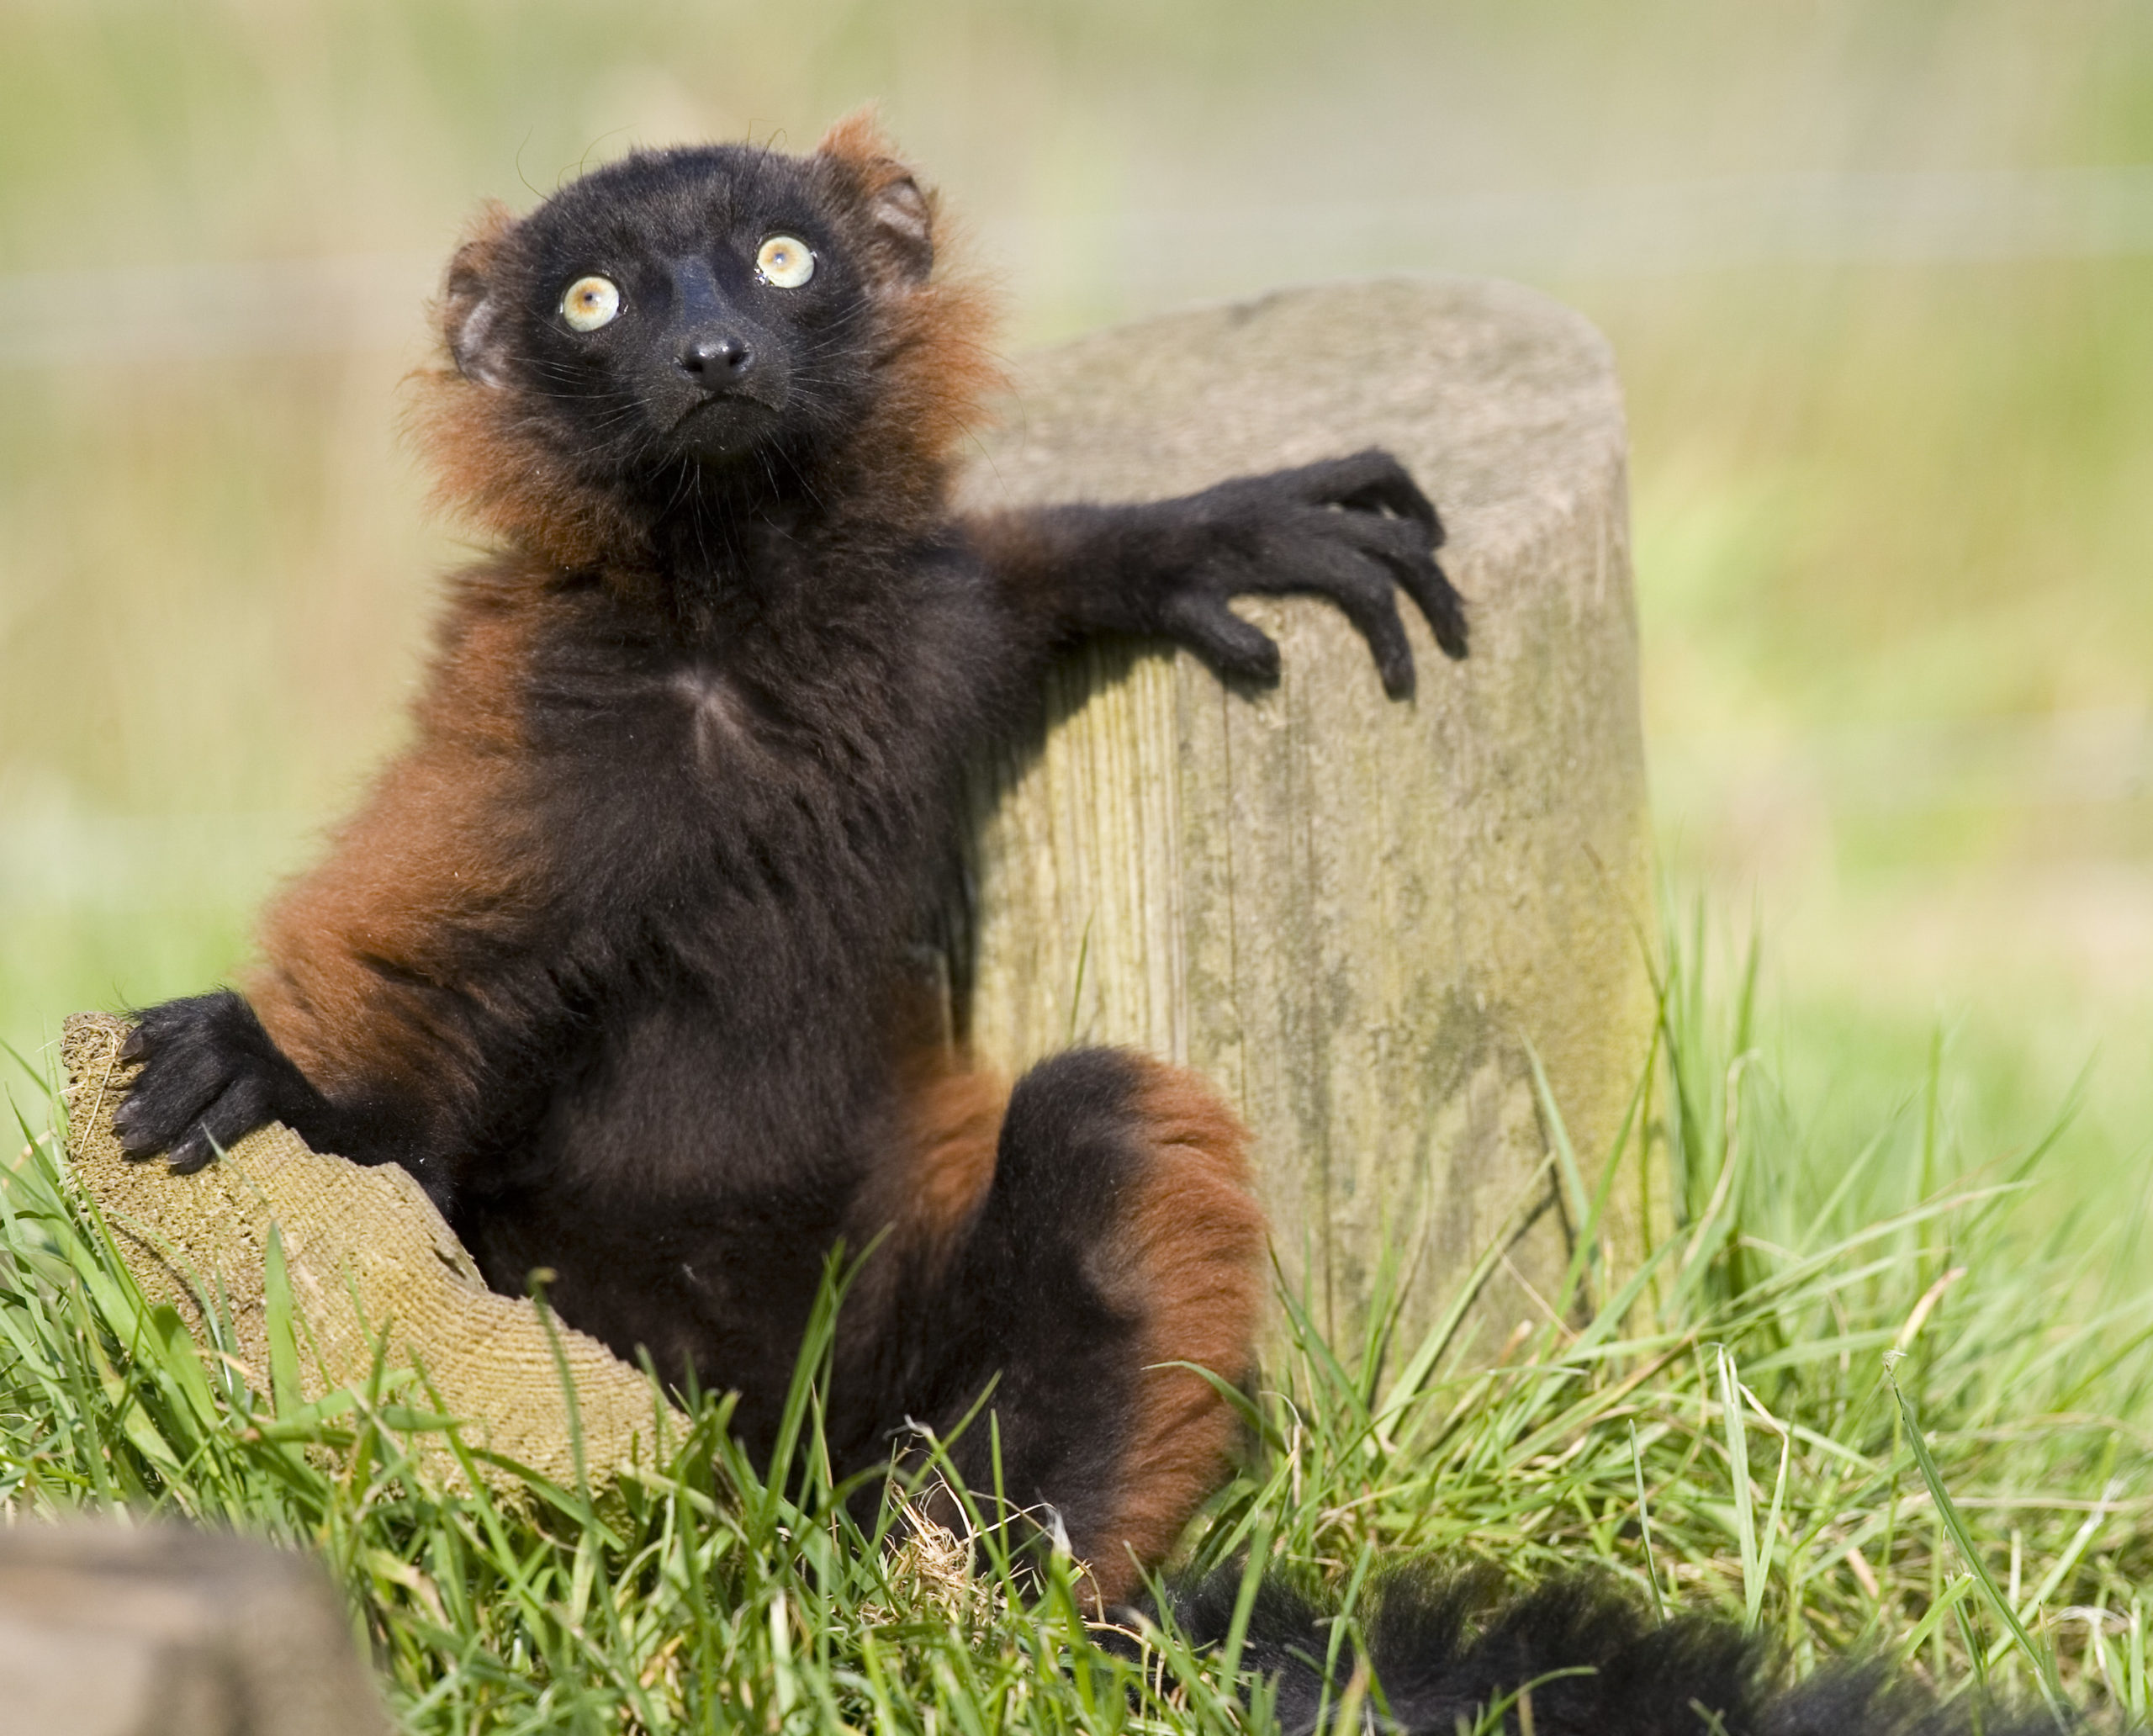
1114,1234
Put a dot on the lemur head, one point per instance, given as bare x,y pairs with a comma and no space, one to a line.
715,326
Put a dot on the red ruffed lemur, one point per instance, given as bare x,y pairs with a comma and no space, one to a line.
619,958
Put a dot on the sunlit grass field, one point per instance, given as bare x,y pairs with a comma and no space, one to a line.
1893,517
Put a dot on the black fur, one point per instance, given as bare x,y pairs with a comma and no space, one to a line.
1451,1652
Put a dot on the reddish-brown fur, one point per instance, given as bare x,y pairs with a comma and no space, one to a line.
1184,1260
436,846
1193,1243
956,1121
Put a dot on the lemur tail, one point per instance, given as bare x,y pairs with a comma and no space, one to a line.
1449,1655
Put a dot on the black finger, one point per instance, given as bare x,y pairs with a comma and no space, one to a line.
1415,513
137,1046
1221,637
1401,496
171,1094
1323,563
192,1153
1369,481
1362,590
1403,546
1399,538
243,1107
1431,589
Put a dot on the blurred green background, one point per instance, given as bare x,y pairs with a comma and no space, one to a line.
1879,279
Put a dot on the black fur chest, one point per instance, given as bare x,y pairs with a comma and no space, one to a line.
770,808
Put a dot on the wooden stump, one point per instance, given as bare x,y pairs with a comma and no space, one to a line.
1361,918
374,1272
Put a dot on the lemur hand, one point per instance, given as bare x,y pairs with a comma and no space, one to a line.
211,1075
1350,529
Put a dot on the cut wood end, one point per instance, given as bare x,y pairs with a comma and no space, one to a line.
369,1258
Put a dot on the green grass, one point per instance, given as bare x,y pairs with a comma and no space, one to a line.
1855,1406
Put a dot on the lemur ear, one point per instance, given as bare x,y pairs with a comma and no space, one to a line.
470,311
900,212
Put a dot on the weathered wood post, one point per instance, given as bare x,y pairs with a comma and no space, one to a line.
1361,918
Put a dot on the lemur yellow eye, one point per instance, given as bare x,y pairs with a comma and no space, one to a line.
590,303
786,261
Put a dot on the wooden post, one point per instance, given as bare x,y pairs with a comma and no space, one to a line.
1363,919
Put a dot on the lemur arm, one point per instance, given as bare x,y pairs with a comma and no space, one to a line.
1351,529
391,1013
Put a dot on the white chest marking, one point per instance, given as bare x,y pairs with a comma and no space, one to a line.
718,717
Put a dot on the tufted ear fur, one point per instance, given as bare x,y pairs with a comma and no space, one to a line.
899,211
470,318
494,466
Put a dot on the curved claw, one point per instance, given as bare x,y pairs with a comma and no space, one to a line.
191,1155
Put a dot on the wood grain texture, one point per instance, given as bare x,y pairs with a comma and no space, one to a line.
1359,917
374,1271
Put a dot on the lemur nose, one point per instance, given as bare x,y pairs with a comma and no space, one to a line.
716,358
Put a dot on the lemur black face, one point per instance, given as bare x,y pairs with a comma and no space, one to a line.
699,306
